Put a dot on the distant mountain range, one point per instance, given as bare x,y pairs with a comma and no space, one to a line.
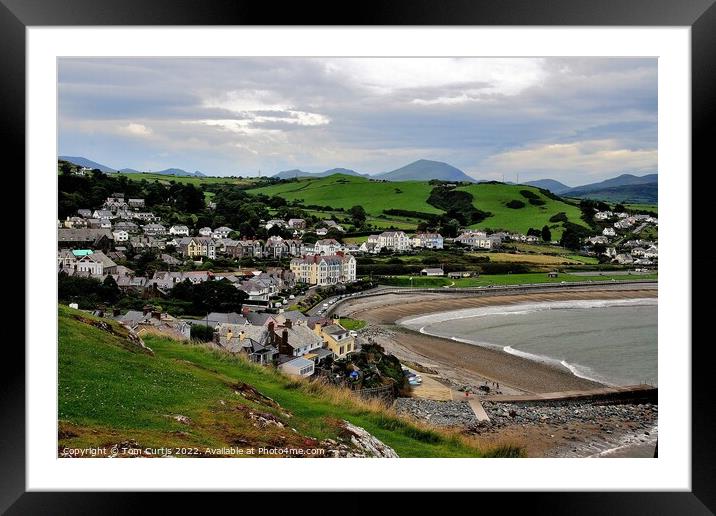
425,170
421,170
294,173
552,185
623,188
84,162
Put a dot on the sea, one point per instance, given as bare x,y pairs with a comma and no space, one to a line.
609,341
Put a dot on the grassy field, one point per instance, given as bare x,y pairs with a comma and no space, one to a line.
493,198
352,324
648,207
344,191
148,176
502,279
538,259
111,391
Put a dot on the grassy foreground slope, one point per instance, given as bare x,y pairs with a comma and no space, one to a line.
342,191
111,391
494,198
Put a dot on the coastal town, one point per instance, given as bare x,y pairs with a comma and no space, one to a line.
318,257
97,243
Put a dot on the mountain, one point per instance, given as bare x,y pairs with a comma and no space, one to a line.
425,170
622,180
84,162
345,171
623,188
290,174
199,174
128,171
173,172
549,184
647,193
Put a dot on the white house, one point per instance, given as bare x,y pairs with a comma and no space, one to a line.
120,236
608,232
427,240
603,215
222,232
179,230
479,239
154,229
394,240
275,222
205,232
327,246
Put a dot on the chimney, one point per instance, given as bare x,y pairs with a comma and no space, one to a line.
147,309
288,323
156,314
336,320
284,348
242,335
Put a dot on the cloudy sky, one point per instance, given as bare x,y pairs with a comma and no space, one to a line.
577,120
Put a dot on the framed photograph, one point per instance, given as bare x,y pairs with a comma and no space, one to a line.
455,240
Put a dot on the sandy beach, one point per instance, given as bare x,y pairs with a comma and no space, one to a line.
467,364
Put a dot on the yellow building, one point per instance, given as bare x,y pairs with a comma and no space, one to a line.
336,338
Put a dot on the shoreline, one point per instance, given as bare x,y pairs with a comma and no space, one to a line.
548,428
462,364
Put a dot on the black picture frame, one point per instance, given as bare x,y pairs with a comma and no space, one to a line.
700,15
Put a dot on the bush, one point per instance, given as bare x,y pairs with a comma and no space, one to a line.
515,204
528,194
202,332
537,202
559,217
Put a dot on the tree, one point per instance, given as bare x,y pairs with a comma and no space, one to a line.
358,215
570,239
210,296
534,232
110,290
546,234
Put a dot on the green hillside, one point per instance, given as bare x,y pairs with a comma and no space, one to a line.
494,198
342,191
111,391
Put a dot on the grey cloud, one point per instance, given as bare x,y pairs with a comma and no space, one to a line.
575,100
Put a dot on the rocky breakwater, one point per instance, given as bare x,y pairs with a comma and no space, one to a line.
438,413
564,412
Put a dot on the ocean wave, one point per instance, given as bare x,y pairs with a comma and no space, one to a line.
422,321
629,440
